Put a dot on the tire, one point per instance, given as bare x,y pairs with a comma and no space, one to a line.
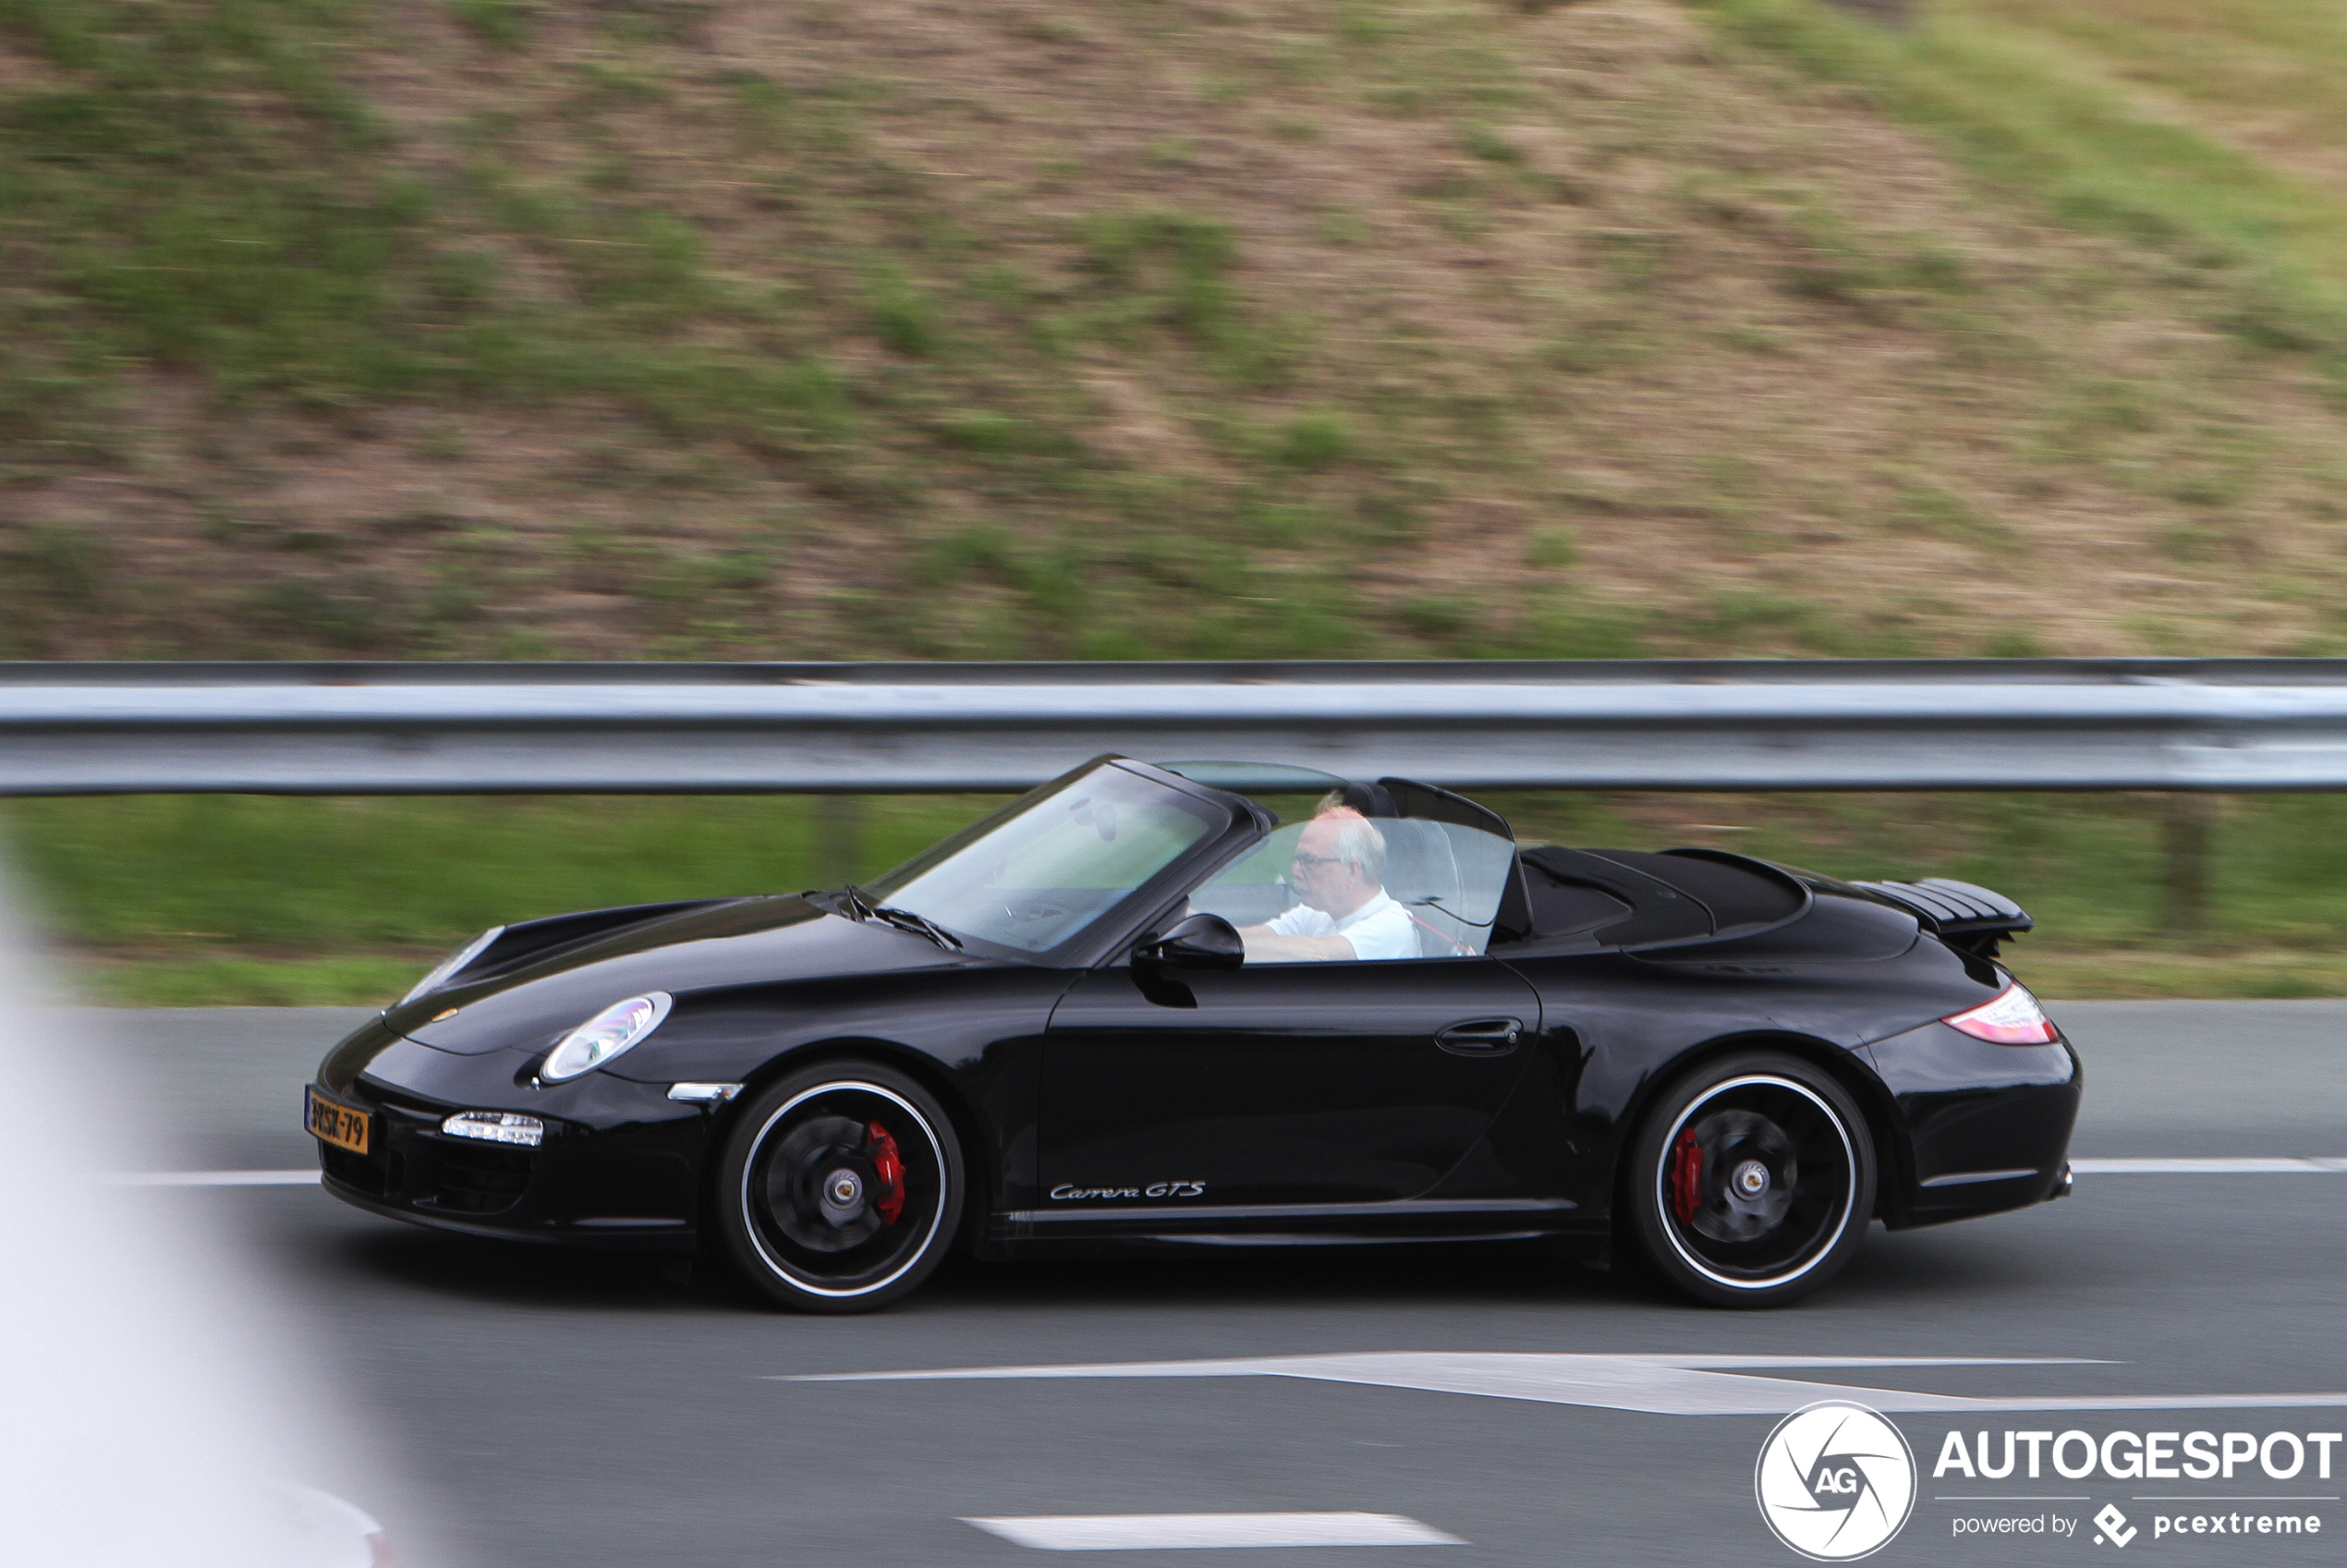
809,1207
1751,1182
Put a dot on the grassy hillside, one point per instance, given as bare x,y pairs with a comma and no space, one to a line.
702,327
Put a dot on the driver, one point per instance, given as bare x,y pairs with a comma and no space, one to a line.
1339,874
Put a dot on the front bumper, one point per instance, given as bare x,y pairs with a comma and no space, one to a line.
618,1168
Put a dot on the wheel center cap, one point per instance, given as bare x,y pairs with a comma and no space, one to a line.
1750,1179
843,1197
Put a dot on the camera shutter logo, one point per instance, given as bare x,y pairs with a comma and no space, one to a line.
1835,1481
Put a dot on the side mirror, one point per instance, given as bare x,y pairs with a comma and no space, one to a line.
1197,942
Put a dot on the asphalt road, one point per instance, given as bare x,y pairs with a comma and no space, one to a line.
576,1411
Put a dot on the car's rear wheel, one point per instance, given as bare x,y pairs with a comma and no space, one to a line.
1751,1182
840,1188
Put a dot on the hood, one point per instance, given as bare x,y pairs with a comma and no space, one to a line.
744,942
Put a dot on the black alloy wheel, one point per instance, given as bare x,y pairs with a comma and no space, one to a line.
839,1187
1752,1181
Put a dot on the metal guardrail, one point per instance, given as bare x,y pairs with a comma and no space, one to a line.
434,728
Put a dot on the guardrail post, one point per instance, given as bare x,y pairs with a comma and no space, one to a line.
2183,840
839,839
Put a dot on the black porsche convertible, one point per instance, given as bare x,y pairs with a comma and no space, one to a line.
1220,1005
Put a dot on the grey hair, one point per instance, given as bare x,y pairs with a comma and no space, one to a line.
1357,839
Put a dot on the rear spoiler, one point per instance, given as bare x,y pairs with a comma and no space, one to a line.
1961,914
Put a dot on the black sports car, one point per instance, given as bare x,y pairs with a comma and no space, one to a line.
1218,1004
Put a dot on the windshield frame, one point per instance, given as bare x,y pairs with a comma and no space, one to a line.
1243,824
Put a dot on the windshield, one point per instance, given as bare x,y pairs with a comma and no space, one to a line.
1041,870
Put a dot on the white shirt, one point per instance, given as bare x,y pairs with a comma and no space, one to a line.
1379,928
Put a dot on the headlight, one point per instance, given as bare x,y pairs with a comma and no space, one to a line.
453,963
604,1035
496,1126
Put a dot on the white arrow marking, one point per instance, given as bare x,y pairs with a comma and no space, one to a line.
1655,1385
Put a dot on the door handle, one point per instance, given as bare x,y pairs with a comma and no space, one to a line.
1481,1037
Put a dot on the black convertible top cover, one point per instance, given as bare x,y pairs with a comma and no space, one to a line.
1627,900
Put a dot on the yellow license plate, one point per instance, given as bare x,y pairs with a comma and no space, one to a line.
336,1125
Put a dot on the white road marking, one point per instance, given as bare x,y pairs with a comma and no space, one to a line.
1655,1385
214,1179
1169,1532
2229,1165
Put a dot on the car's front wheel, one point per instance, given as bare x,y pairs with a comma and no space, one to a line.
1751,1182
839,1187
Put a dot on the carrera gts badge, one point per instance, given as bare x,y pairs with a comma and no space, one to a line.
1065,1193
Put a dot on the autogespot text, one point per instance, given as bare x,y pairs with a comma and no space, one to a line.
2145,1456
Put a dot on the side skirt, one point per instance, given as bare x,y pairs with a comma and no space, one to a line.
1287,1224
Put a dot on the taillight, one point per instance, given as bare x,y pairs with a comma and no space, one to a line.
2011,1017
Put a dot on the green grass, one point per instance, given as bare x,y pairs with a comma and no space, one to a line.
367,981
2282,63
298,878
213,900
2035,99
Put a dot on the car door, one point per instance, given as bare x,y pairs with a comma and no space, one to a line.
1276,1085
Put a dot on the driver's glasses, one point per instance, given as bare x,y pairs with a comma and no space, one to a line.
1305,862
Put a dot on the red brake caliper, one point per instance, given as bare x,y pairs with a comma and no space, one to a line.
888,1167
1686,1176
